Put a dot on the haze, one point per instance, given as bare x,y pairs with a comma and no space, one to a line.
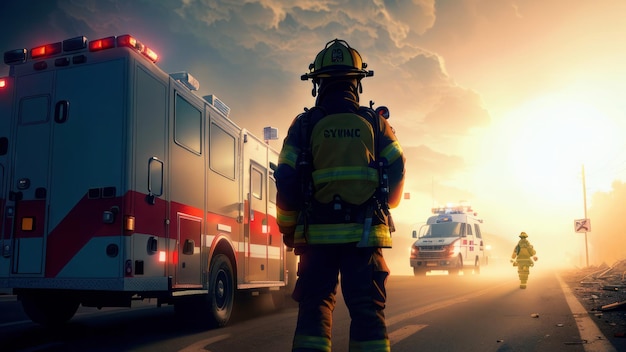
498,103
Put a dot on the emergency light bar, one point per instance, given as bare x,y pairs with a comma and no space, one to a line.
131,42
451,209
46,50
19,56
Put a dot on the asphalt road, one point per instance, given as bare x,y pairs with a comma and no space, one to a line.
486,312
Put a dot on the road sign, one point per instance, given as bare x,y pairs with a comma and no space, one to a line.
582,225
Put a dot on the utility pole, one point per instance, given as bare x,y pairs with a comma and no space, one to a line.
585,205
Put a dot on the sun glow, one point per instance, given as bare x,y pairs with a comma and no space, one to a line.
549,140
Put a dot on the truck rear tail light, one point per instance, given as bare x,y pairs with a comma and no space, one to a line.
46,50
102,44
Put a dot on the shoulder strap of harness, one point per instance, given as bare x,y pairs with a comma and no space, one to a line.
305,158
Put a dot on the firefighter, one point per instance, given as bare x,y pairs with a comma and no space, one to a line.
339,171
523,257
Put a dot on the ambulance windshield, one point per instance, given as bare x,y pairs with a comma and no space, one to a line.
445,229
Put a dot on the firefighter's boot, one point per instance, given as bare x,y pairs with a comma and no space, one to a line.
523,271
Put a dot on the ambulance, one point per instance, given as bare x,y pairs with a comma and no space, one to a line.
450,240
119,183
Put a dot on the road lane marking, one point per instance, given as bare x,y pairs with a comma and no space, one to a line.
439,305
404,332
588,330
200,345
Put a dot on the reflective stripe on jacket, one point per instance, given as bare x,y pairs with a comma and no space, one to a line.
290,197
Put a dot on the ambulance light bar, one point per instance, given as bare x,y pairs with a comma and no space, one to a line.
18,56
131,42
46,50
101,44
451,209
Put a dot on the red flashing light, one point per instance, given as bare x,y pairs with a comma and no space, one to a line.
102,44
127,40
130,41
150,54
3,83
46,50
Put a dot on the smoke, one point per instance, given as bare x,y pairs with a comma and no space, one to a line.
605,242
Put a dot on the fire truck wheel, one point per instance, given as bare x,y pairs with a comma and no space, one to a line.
221,290
49,309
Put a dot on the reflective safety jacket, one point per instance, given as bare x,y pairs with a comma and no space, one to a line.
523,251
340,165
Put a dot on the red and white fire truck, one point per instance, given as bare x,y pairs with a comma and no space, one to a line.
119,183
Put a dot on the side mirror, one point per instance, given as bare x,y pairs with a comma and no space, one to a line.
414,234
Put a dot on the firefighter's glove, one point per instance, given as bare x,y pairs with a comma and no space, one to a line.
288,235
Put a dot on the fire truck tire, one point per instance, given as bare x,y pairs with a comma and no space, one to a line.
49,309
221,290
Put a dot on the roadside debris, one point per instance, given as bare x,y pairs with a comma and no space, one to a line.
616,305
602,291
581,342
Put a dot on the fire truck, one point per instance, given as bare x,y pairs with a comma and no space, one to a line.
450,240
119,183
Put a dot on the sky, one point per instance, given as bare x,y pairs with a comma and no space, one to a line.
497,103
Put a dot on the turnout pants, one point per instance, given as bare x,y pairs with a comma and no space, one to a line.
363,273
523,270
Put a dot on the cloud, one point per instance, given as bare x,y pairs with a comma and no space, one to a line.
456,113
422,160
433,174
251,55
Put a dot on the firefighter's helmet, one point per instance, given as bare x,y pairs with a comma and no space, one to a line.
523,235
337,59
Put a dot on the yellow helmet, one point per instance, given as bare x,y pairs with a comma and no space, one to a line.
523,235
337,59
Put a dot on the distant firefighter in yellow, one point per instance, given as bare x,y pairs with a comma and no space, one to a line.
523,257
